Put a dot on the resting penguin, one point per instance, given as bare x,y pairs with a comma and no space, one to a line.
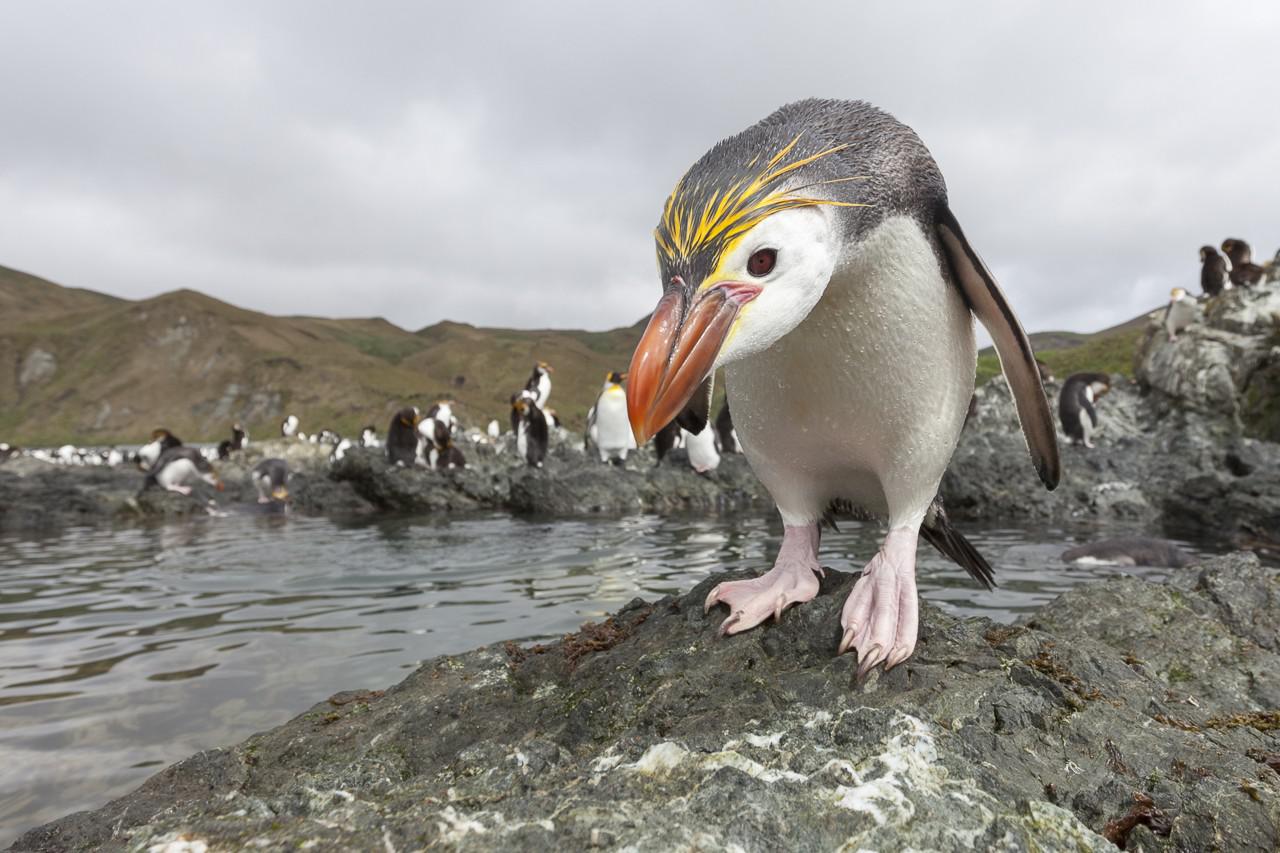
270,478
539,384
1075,405
1244,272
726,438
149,453
530,427
402,437
1128,551
609,417
1213,272
814,256
180,468
289,428
1180,313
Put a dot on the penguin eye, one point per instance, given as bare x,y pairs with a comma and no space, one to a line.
761,262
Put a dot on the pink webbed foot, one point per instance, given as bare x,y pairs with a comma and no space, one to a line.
882,614
792,580
182,490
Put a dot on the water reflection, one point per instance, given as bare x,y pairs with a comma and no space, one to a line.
122,650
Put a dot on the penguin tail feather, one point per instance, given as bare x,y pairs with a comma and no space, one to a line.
951,543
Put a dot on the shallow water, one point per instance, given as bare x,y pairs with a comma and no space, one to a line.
124,650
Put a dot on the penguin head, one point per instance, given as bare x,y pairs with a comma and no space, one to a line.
1177,293
614,379
747,243
542,367
1207,252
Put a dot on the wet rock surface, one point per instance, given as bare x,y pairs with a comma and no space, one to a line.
1124,714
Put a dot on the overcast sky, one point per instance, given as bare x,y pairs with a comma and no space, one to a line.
505,164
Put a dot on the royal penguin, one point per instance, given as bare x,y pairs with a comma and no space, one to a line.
289,427
494,430
179,469
1128,551
149,453
701,447
1076,405
613,436
271,478
530,427
726,437
1213,272
1244,272
441,452
816,258
1180,313
369,437
539,384
402,437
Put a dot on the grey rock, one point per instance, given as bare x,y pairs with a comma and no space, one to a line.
649,732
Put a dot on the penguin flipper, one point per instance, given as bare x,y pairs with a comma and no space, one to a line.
1016,358
939,533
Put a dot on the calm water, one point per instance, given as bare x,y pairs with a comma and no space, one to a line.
125,650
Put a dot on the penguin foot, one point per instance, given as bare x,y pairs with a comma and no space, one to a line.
882,615
792,580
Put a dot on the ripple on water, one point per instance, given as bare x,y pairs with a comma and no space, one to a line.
122,650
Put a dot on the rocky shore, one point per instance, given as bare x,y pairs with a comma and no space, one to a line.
1124,714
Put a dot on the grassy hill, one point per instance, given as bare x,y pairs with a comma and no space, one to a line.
83,367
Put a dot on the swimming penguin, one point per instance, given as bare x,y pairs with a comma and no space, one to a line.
539,384
1075,405
149,453
664,440
821,236
402,437
701,446
1244,272
369,437
289,428
270,478
1213,272
609,417
726,438
1128,551
179,468
530,427
1180,313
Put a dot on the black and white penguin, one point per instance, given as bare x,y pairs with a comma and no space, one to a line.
402,437
823,236
1213,272
612,428
539,384
179,469
369,437
1180,313
289,427
726,437
530,427
239,441
270,478
149,453
7,451
442,412
1128,551
701,447
1244,272
441,452
1076,411
494,430
664,440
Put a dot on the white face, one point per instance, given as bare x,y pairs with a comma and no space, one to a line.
806,248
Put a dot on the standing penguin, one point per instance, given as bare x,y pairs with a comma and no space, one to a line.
609,417
726,437
442,453
664,440
179,468
1180,313
701,446
494,430
289,427
270,477
1244,272
369,437
539,384
1076,412
402,437
1213,271
149,453
530,427
815,257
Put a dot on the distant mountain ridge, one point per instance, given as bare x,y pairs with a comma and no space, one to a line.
84,367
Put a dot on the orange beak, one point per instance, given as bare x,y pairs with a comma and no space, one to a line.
678,350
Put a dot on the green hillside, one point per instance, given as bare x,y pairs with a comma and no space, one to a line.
83,367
